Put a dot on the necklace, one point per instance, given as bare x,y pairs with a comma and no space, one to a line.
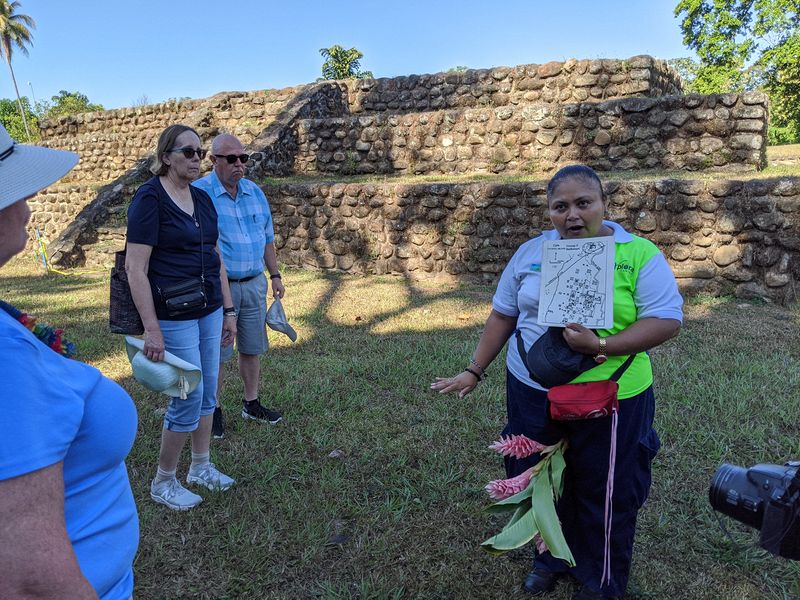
49,336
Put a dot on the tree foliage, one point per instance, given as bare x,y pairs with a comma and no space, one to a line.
12,120
66,103
343,64
15,32
747,44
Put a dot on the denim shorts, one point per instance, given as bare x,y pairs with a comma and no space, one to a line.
250,301
196,341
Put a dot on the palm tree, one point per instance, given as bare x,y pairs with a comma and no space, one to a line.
342,64
15,30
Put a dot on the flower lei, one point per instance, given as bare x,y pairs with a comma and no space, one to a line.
50,336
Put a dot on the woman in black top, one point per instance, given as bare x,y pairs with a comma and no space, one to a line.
172,239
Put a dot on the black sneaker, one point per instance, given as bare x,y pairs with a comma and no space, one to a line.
217,426
254,410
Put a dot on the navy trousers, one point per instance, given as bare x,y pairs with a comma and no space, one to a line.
582,506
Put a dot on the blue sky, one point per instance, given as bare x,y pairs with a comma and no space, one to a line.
118,51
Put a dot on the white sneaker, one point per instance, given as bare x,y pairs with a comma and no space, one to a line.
209,476
172,494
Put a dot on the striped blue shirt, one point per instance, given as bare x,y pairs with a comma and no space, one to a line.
245,225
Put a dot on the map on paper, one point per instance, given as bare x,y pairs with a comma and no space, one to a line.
577,283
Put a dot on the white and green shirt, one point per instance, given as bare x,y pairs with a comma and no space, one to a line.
644,286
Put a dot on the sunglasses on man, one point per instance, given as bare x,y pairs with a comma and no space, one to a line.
190,152
232,158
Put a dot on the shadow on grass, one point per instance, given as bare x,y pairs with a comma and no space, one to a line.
371,488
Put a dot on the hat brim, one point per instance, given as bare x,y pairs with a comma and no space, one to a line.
134,346
30,169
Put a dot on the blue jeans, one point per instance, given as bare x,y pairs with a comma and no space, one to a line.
196,341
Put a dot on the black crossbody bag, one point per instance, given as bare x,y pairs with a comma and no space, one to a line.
187,295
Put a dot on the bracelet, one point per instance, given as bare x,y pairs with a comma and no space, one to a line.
475,364
478,377
229,312
275,276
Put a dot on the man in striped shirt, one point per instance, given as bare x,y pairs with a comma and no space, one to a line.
246,239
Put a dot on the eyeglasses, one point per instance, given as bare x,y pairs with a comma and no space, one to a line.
190,152
232,158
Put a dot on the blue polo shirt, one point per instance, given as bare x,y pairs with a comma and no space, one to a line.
245,225
60,410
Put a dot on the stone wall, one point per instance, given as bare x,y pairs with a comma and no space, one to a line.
740,237
672,132
111,142
553,82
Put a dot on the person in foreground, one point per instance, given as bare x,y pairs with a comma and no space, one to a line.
246,238
172,242
68,522
647,312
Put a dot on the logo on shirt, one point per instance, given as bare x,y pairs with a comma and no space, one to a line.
536,267
623,266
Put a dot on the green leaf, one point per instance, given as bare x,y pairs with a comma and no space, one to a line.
513,536
557,466
546,520
522,508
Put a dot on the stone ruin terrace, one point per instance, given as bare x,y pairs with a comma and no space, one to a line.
498,133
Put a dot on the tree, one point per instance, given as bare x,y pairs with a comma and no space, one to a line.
11,118
701,80
342,64
66,103
747,43
15,30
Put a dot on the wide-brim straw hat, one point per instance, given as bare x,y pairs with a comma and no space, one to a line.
25,170
172,376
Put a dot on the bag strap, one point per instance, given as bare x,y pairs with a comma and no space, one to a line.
522,352
622,368
200,225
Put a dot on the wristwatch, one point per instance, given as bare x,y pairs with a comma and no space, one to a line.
601,355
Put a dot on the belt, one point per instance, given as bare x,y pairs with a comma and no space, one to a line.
243,279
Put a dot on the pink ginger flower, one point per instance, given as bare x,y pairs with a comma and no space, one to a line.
541,547
500,489
518,446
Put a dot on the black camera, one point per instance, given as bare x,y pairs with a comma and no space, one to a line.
766,497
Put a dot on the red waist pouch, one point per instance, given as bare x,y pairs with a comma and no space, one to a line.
590,400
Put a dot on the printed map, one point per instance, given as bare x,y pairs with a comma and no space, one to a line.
577,283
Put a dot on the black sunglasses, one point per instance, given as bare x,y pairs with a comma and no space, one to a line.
190,152
231,158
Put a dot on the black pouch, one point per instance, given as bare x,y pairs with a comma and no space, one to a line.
183,297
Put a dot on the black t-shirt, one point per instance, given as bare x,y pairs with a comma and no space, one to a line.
155,220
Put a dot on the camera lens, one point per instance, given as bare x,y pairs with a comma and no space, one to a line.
734,494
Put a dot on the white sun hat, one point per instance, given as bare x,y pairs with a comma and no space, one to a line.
172,376
25,170
276,319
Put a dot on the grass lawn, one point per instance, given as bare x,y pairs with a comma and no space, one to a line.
372,486
784,161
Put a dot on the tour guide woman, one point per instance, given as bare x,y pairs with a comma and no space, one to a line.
172,238
68,524
647,312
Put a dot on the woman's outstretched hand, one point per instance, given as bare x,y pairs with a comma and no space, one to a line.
581,339
463,383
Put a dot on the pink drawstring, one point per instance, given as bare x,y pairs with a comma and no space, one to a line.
612,458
